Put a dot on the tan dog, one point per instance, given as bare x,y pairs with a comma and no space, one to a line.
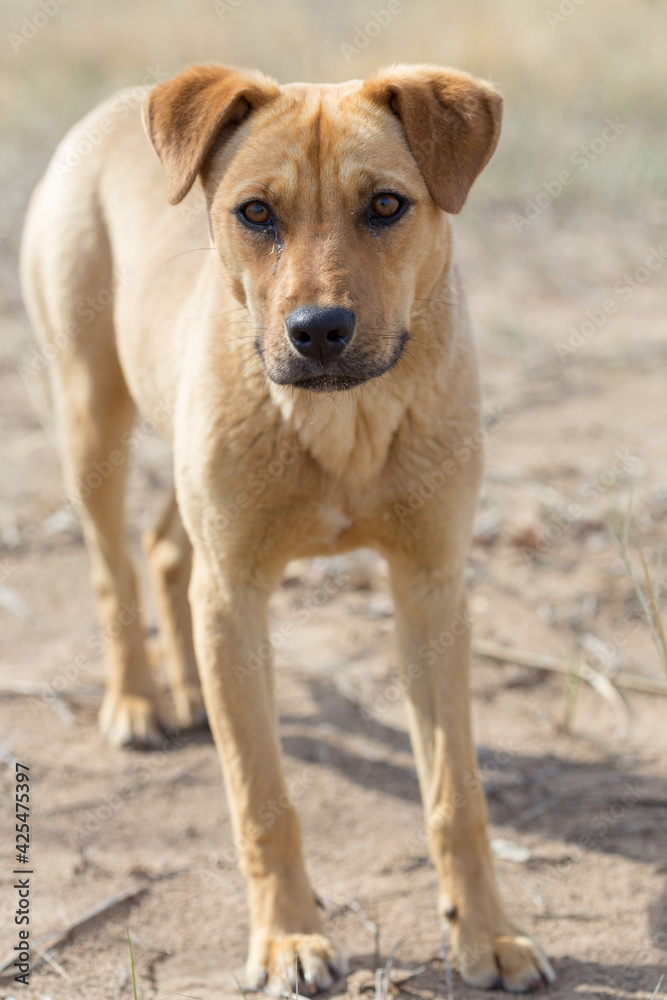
324,338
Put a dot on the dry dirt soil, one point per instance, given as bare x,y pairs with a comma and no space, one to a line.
578,783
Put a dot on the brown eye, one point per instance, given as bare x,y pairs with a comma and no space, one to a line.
257,212
386,206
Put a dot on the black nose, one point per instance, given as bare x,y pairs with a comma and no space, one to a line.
320,333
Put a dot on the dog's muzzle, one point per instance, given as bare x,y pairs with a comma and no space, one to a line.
323,353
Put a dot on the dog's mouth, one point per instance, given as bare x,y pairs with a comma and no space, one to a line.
346,372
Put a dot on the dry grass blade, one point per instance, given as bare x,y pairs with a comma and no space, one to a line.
572,687
606,690
653,589
649,604
134,978
240,988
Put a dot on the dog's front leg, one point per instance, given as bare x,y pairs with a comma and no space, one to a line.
230,629
434,637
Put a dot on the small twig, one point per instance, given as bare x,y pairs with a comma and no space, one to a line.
51,942
386,973
358,909
448,969
657,989
419,971
378,984
30,688
543,661
52,962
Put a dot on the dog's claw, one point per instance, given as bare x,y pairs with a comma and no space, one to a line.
313,959
513,962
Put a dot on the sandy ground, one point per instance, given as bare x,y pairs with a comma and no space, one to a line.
586,797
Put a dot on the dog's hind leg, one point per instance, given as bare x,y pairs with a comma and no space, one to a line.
69,288
169,554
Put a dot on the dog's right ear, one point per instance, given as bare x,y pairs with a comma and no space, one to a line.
184,115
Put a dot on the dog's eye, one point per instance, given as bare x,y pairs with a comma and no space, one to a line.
386,206
256,212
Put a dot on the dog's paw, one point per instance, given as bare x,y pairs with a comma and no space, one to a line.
130,721
189,706
304,963
513,962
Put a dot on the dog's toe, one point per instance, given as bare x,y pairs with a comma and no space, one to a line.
305,963
130,721
515,963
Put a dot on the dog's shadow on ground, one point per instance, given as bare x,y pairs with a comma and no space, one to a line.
600,805
591,806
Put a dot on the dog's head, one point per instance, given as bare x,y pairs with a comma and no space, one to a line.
327,203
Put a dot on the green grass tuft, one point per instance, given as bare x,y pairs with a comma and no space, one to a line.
134,978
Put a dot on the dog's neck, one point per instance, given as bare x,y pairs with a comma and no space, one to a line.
346,432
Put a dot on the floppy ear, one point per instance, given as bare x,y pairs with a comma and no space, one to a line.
450,119
184,115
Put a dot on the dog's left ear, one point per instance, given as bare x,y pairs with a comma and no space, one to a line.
451,122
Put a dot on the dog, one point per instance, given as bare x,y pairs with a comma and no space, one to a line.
300,310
